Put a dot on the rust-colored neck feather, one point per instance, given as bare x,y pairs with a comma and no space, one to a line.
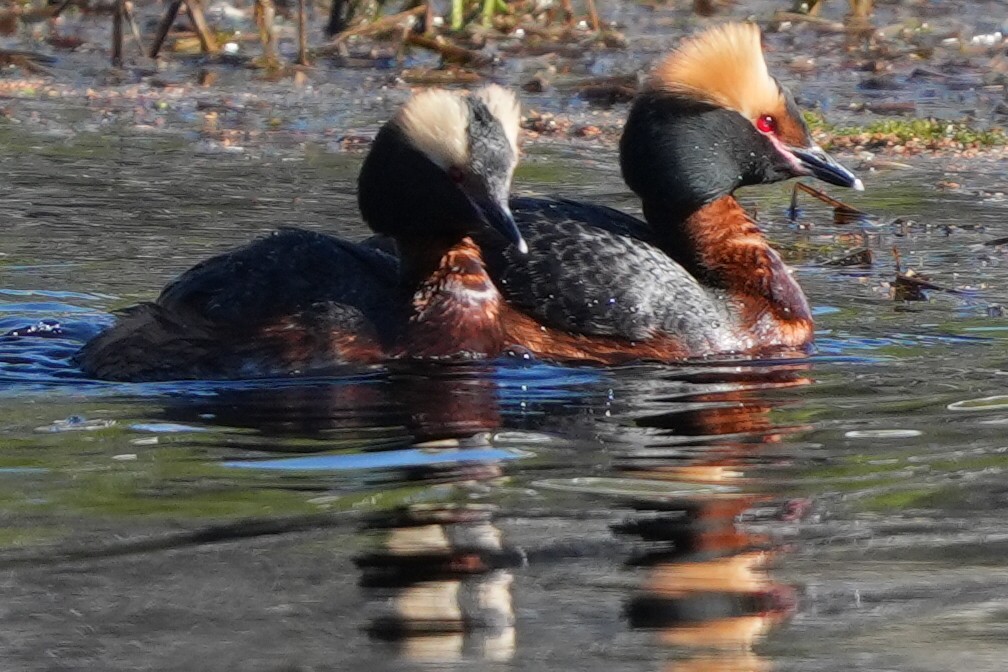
455,307
722,246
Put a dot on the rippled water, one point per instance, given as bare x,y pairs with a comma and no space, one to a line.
844,512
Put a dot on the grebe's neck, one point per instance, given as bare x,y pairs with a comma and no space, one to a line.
420,257
721,246
703,238
455,305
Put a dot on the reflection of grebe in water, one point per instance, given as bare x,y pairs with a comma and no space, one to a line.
439,582
408,405
706,589
703,584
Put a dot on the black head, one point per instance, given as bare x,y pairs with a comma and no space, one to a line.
442,167
711,120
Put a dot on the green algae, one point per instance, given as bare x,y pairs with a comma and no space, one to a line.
930,131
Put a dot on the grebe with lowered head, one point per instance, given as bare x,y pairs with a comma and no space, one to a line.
299,302
699,278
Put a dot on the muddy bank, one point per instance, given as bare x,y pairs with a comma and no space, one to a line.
917,60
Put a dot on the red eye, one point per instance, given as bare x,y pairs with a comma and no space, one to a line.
456,174
766,124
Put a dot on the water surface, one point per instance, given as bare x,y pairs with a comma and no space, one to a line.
840,512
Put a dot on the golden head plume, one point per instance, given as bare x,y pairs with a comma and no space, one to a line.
723,66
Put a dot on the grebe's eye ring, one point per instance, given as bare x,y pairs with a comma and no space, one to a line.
456,174
766,124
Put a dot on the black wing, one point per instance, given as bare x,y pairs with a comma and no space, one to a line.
284,273
293,301
564,209
590,270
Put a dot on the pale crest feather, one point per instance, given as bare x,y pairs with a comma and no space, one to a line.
436,123
503,104
723,66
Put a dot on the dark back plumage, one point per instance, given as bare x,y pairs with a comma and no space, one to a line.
240,287
591,270
284,303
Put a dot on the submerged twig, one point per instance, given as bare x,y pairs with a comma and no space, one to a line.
608,94
889,108
302,58
164,26
376,27
450,53
439,77
117,32
842,213
818,22
198,20
29,61
910,285
859,257
131,16
624,81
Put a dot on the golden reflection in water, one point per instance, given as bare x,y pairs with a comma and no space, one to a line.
706,590
440,583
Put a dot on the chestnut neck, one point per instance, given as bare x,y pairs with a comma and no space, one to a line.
721,246
454,303
696,236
